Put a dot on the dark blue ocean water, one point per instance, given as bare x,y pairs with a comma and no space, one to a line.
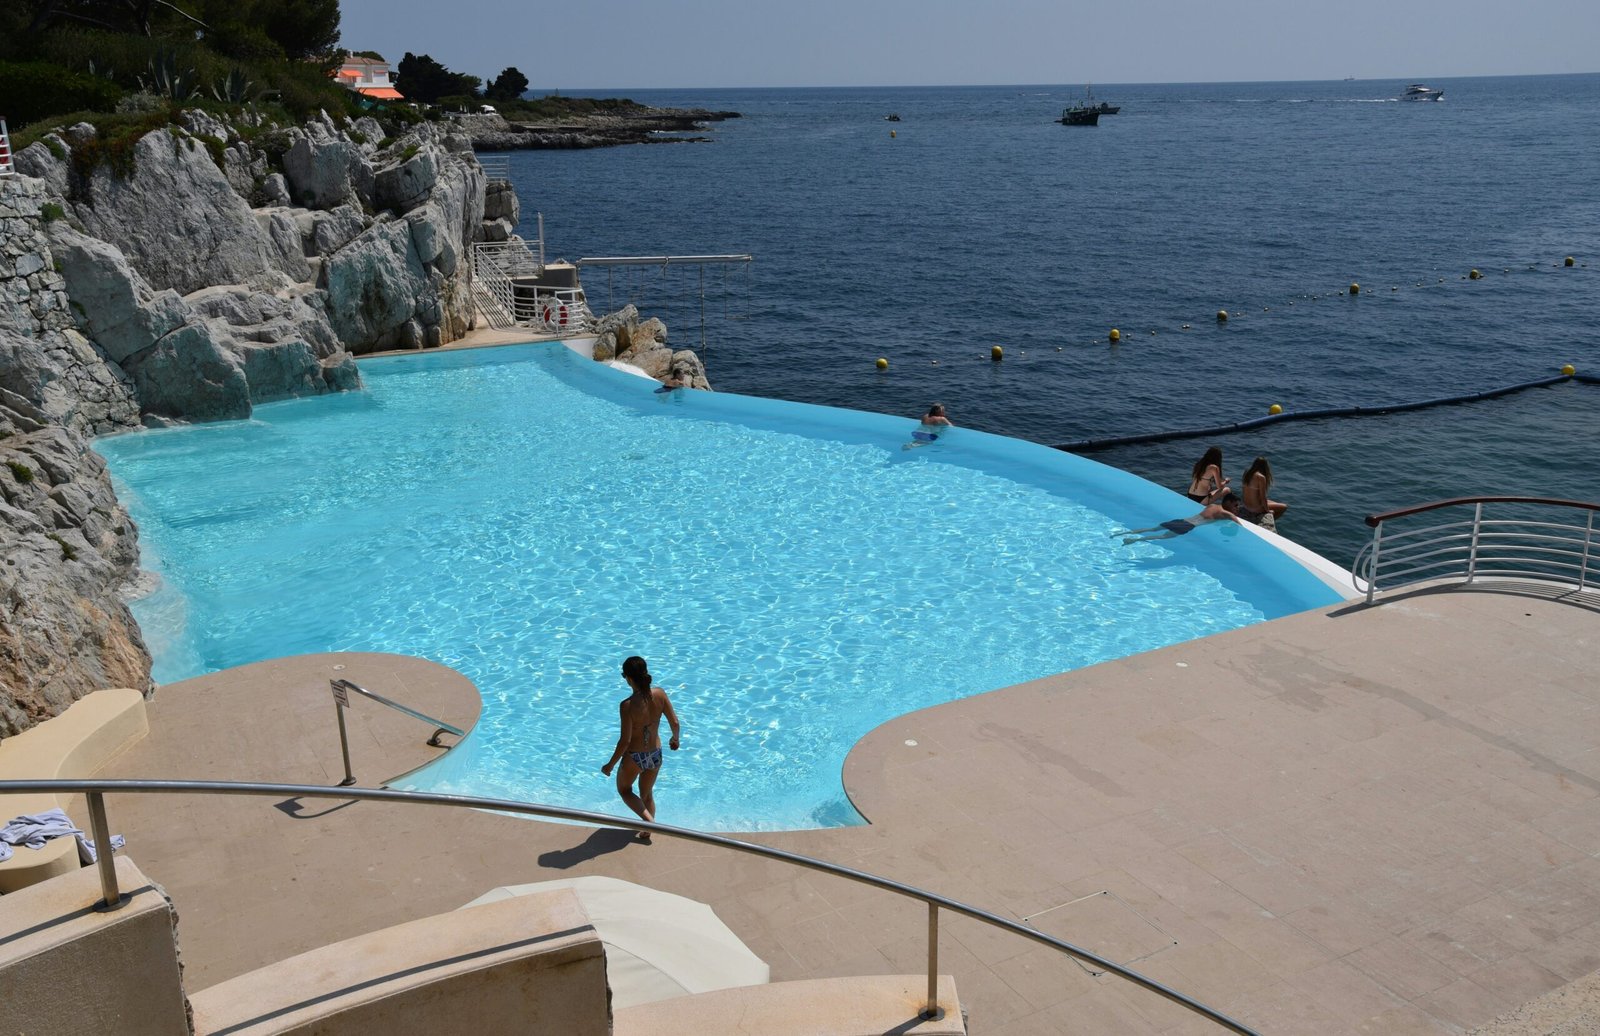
982,221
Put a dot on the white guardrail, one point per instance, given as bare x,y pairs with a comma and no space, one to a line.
1528,538
7,167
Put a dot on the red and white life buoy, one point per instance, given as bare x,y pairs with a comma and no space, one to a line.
554,314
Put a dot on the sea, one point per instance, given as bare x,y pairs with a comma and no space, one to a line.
978,220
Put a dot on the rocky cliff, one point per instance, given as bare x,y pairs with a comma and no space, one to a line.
216,267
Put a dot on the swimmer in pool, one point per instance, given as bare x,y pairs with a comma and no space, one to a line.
1228,509
934,424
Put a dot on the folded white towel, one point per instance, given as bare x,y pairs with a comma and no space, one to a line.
86,849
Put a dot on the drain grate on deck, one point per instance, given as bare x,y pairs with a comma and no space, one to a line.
1103,923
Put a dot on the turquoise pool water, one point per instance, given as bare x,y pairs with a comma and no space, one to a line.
792,575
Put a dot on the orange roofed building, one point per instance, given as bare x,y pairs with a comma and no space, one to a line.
368,77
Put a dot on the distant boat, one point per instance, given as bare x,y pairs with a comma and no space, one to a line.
1088,112
1418,92
891,117
1349,79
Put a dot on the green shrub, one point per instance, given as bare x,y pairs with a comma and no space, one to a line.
20,471
217,146
68,552
114,143
409,153
55,147
34,90
51,211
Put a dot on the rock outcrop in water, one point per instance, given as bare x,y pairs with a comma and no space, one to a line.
620,123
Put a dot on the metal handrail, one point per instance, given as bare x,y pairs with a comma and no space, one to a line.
111,897
7,165
497,168
1470,548
341,701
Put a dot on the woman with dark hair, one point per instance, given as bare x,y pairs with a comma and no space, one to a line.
1208,482
1257,484
639,747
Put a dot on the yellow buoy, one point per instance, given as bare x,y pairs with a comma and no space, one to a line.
1115,336
996,353
1569,260
1474,275
1355,289
1274,409
883,364
891,134
1222,316
1569,370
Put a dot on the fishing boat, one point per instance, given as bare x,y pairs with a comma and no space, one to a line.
1088,112
1418,92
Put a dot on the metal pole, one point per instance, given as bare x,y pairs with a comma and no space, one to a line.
344,746
1588,544
1472,551
110,897
702,307
1372,569
932,1010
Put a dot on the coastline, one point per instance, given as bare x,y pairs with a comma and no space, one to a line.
638,124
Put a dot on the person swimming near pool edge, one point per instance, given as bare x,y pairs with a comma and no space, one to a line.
1228,508
934,424
639,746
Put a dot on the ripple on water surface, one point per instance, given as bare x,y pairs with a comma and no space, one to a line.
531,519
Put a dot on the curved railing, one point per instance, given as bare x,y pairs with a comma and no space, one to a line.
1523,541
95,790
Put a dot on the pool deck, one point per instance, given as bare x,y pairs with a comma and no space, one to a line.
1352,820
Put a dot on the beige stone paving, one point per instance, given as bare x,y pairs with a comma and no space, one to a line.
1355,820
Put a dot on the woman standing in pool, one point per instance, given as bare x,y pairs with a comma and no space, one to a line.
1257,484
1208,482
639,747
934,424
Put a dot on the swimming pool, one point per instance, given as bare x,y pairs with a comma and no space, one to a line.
792,575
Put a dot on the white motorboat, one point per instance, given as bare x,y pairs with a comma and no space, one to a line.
1418,92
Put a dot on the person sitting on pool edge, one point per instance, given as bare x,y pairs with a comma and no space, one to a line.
1227,508
934,424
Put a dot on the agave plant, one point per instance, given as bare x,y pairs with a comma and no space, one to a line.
167,81
235,88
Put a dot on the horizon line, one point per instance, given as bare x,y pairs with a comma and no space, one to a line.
587,90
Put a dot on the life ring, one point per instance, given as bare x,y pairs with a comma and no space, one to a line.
562,311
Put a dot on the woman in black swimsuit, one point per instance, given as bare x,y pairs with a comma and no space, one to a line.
1208,482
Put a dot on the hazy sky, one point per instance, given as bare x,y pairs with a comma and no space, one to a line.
581,45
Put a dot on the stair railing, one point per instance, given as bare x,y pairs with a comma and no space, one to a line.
112,899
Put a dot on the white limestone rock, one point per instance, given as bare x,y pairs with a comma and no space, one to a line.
403,185
191,376
373,285
327,232
176,217
113,304
283,234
